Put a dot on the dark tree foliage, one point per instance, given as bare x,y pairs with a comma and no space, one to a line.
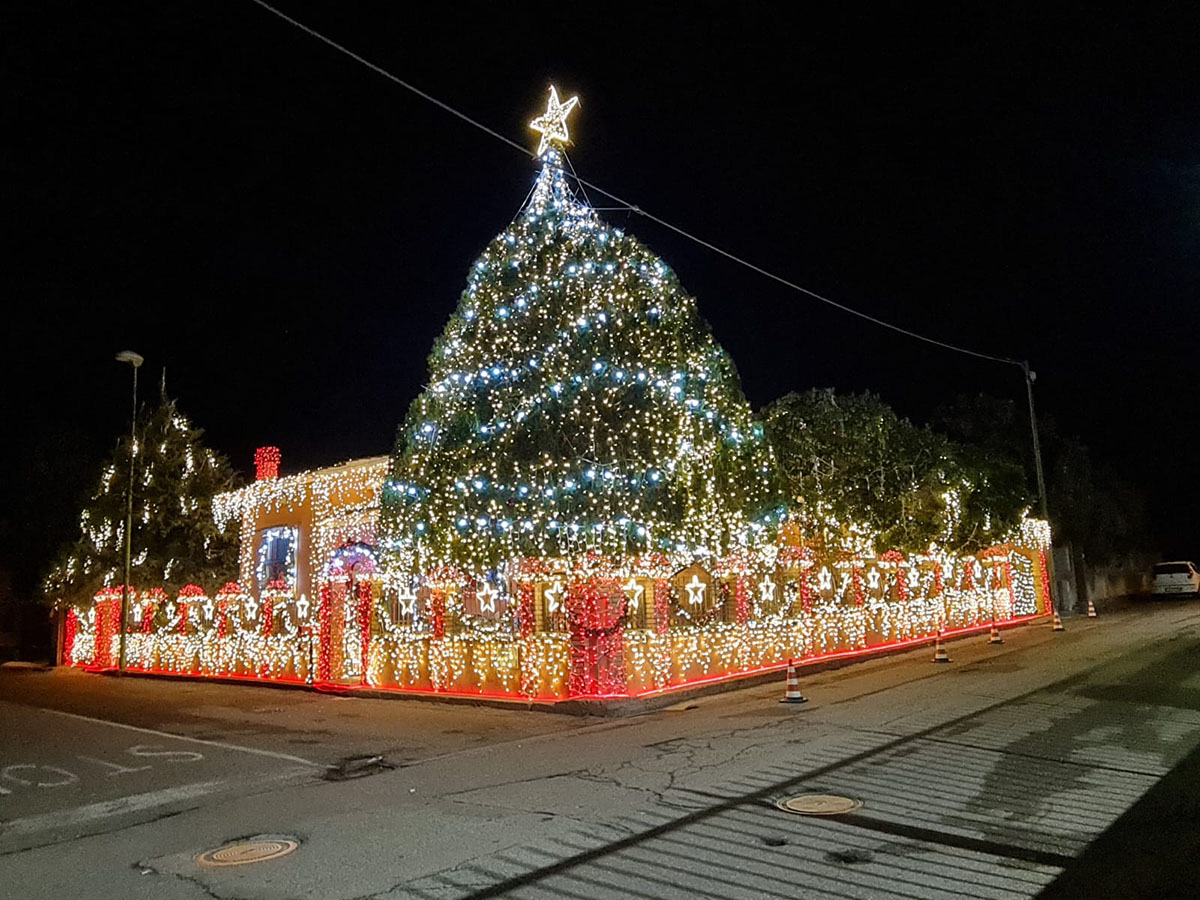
175,540
1090,505
846,458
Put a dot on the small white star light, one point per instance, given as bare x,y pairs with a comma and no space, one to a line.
552,596
825,580
766,589
487,598
552,124
406,601
695,589
873,579
302,606
635,591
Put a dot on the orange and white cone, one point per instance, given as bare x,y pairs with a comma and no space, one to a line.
994,637
939,654
1091,609
792,693
1058,625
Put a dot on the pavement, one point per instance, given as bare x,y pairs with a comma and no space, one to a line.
1064,763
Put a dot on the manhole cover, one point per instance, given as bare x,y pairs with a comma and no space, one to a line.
245,852
819,805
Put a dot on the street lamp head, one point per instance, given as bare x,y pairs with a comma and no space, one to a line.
134,359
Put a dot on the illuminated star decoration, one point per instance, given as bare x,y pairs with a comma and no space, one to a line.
551,595
406,599
635,591
552,124
695,589
766,588
302,606
251,607
208,609
873,579
825,580
487,598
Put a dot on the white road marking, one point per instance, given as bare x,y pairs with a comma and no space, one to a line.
93,811
7,772
183,737
120,770
168,755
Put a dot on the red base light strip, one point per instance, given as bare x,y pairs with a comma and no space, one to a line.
334,687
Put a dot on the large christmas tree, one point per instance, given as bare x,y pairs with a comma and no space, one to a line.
175,540
577,403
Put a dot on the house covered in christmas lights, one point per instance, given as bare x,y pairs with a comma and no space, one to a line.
580,504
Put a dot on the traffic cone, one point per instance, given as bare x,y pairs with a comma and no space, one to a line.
994,637
1058,625
1091,609
939,654
792,694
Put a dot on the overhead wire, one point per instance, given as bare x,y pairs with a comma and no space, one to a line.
632,206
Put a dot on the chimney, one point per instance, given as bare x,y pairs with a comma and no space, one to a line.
266,463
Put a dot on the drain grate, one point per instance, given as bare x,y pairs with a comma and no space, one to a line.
245,852
819,805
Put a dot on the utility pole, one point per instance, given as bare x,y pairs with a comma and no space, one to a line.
1030,378
135,360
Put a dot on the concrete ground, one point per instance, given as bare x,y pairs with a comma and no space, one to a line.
1061,762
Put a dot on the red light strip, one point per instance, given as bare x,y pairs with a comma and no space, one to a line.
328,687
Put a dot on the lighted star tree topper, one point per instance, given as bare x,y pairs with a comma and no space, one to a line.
552,124
577,404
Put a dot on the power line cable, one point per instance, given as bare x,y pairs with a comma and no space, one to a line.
632,206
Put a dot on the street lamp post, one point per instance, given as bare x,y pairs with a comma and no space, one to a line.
134,360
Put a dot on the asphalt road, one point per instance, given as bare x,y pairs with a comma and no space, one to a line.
1061,762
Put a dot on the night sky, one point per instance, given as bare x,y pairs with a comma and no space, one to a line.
287,231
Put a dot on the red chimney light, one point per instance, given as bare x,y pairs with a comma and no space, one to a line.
266,463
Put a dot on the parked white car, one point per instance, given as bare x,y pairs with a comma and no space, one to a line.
1176,578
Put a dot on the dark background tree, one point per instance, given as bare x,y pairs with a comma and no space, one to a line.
850,458
1091,507
175,540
